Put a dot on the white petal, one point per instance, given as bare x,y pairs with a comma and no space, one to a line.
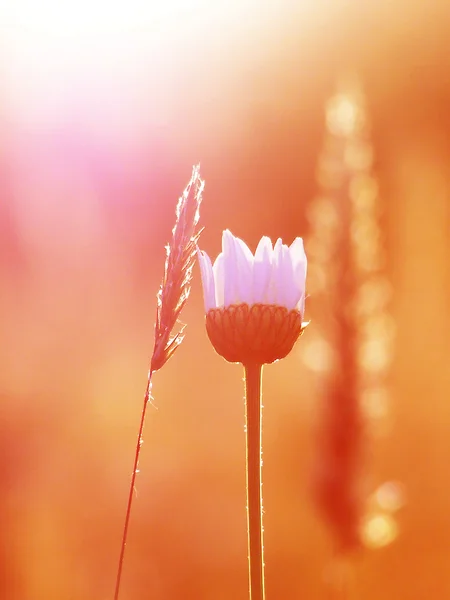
245,274
206,271
290,290
272,296
301,304
297,251
262,269
300,277
229,268
285,290
245,249
238,266
218,272
300,266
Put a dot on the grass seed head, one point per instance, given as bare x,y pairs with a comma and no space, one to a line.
176,285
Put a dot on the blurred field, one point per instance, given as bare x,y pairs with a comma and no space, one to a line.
98,136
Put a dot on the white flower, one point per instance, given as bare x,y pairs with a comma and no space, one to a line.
272,276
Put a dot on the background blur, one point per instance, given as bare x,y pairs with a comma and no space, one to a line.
104,108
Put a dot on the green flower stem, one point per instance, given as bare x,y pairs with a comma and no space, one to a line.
253,418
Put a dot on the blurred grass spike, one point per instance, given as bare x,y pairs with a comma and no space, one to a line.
176,284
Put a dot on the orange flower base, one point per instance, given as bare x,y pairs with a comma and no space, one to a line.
256,334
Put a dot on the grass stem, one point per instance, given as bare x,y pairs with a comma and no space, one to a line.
132,484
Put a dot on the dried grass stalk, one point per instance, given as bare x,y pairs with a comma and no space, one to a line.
172,296
176,284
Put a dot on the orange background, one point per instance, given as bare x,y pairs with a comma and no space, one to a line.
93,156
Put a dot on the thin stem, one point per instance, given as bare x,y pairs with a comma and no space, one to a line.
133,480
253,417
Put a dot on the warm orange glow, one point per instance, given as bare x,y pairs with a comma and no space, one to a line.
102,115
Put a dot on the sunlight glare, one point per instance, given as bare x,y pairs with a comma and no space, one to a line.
379,530
75,17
